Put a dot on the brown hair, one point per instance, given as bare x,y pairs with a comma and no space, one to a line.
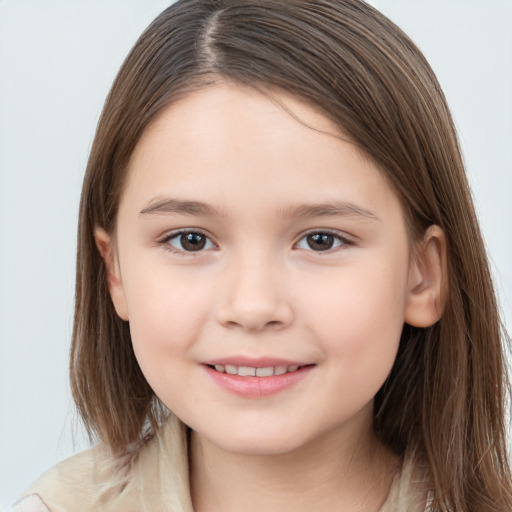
445,397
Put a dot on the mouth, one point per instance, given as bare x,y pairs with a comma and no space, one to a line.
257,379
252,371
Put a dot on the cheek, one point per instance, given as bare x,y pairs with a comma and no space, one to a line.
359,320
167,313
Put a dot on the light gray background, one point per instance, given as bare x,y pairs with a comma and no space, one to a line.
57,61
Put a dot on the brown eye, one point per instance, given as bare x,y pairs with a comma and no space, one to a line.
192,241
321,241
189,241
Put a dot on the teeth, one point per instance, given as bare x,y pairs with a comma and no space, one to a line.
232,370
246,371
249,371
265,372
280,370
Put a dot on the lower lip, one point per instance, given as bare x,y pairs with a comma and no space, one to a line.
257,387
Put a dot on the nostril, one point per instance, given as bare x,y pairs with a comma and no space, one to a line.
253,315
254,325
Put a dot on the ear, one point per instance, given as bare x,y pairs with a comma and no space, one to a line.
114,281
427,290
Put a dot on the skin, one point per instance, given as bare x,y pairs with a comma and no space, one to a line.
259,288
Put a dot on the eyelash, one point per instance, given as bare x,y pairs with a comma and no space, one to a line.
343,241
165,242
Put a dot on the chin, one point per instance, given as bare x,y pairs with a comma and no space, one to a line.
250,444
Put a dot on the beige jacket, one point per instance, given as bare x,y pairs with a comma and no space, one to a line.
157,482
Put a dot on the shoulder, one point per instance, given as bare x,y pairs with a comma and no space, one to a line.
154,477
410,488
66,487
30,503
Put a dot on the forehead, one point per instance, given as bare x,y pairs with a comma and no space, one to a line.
231,111
234,145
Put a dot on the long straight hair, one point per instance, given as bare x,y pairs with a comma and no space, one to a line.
445,396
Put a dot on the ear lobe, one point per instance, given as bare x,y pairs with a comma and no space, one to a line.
428,280
114,281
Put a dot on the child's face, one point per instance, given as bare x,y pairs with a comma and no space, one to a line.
297,254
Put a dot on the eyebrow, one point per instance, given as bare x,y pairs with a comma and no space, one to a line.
310,210
180,207
334,209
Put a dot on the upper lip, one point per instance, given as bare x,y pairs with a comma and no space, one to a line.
254,362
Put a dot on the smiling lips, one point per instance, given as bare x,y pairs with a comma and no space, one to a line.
251,371
256,380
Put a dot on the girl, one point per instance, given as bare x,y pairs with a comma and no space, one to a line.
283,301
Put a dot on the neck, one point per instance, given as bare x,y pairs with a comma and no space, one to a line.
325,474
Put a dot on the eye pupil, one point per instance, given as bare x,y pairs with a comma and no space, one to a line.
320,241
193,241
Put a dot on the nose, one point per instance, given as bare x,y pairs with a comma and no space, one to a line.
253,297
